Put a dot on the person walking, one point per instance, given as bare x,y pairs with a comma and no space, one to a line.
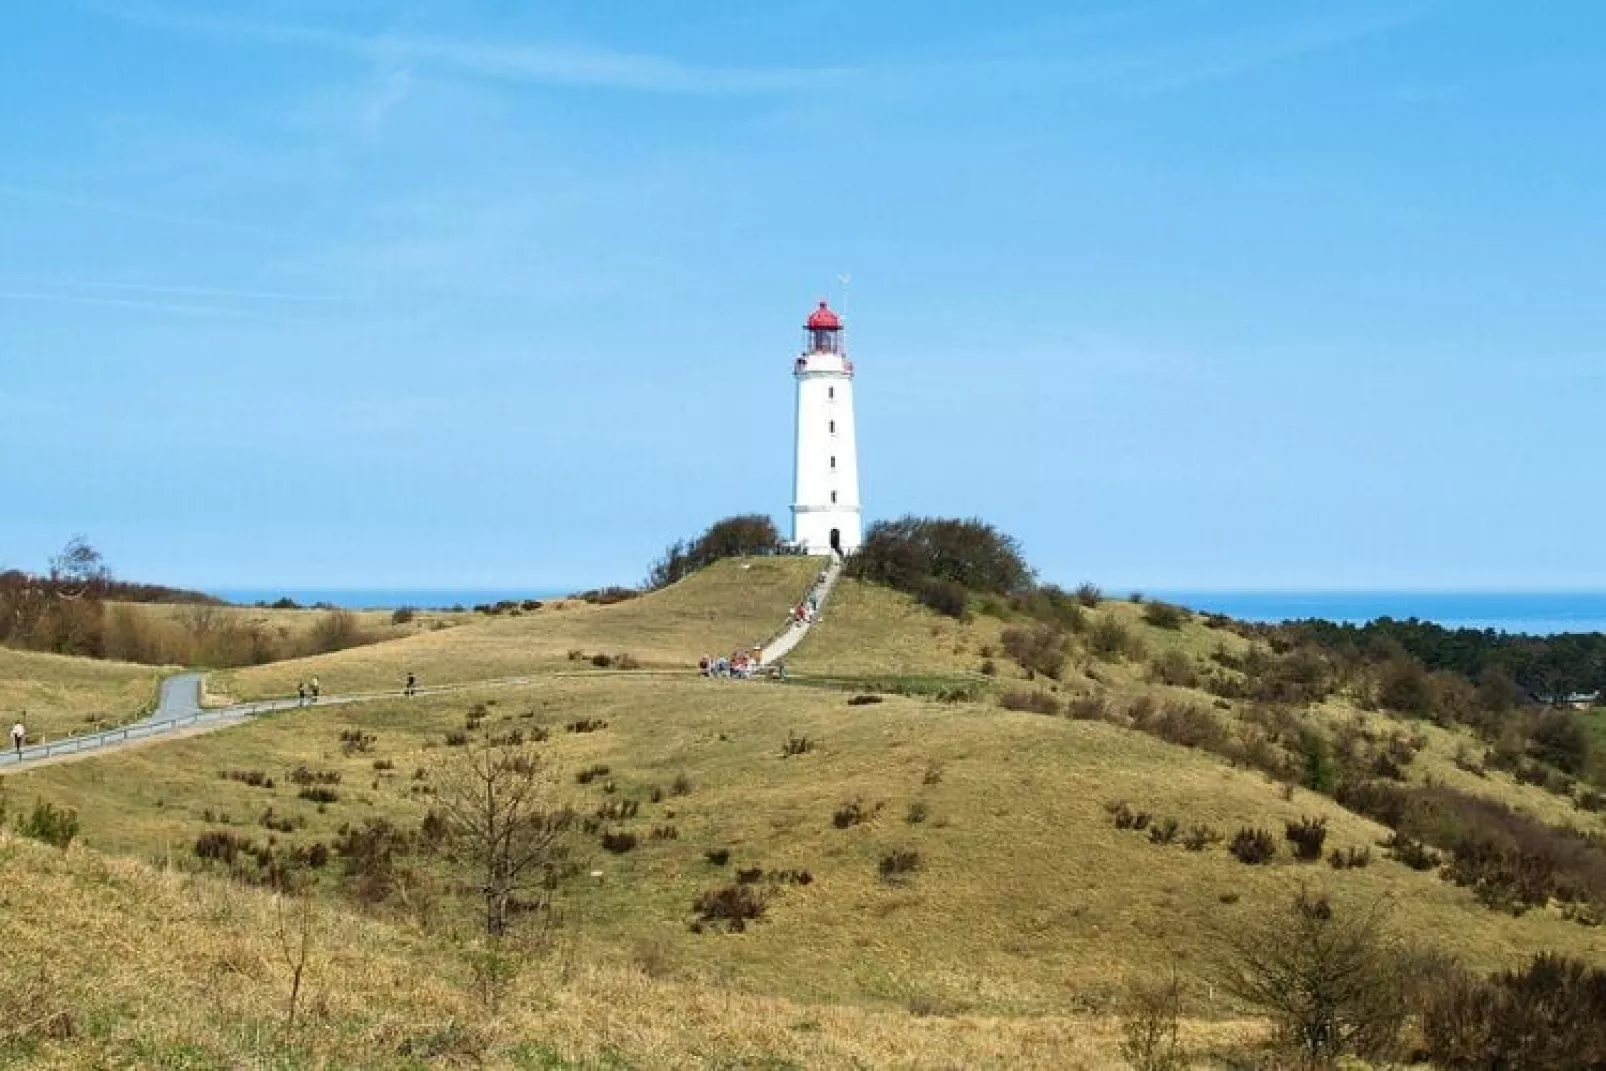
18,736
412,685
301,693
314,689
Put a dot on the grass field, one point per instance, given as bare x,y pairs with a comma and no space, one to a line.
1010,944
56,696
733,604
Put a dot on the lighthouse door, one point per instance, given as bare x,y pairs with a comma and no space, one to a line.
836,540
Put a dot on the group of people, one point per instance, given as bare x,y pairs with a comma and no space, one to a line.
740,664
308,691
808,610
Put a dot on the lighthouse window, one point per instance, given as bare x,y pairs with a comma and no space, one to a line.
830,392
833,461
833,427
833,498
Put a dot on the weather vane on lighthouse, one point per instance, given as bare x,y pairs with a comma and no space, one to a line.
825,488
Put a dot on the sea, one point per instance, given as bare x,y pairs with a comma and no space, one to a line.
387,598
1530,613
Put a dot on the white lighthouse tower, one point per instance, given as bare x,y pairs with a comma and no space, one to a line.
825,488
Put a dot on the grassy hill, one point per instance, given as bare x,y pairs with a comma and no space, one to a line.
733,604
63,695
1009,945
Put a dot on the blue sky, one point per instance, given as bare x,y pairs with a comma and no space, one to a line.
1185,294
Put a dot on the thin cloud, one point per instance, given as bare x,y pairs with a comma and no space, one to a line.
139,212
547,64
171,291
134,303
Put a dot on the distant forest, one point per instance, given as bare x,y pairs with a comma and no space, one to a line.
1547,669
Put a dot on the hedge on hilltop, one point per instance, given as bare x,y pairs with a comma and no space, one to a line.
942,561
733,537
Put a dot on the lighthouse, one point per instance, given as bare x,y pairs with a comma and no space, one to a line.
825,485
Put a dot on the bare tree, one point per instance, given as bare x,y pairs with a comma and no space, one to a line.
78,568
1328,980
500,820
296,929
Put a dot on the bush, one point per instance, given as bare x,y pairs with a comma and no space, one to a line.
1030,700
403,615
1350,858
1125,817
47,823
681,785
911,551
946,597
1164,615
899,864
1112,641
355,741
734,907
618,842
916,813
733,537
586,725
1163,831
665,833
1039,649
718,856
601,661
222,846
591,773
319,795
1329,982
1548,1016
1150,1039
456,738
277,822
1089,595
304,775
254,778
749,875
1413,853
1175,668
1307,836
796,745
1198,838
853,813
1095,707
1255,847
864,700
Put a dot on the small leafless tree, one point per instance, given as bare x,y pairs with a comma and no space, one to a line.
1327,979
296,931
1150,1035
501,821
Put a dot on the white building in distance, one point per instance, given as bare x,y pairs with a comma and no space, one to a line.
825,487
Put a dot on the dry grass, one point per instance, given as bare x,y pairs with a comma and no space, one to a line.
200,983
733,604
62,695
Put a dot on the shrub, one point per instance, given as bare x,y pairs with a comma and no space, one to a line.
1307,836
319,795
221,845
1328,981
1413,853
254,778
618,841
591,773
280,823
1036,702
946,597
1039,649
303,775
403,615
1255,847
1089,595
54,826
456,738
601,661
1548,1016
665,833
1125,817
1350,858
1164,615
989,668
851,814
355,741
384,765
718,856
681,785
911,550
1094,707
1112,641
586,725
734,907
1198,838
796,745
1163,831
899,864
864,700
749,875
1150,1040
732,537
916,813
618,810
1175,668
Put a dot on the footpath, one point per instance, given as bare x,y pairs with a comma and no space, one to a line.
793,634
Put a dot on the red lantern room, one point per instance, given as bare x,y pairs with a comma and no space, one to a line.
823,331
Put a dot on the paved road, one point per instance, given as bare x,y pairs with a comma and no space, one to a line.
179,711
